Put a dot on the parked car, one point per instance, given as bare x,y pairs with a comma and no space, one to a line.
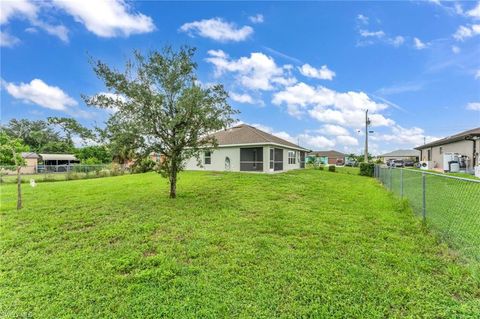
390,162
398,163
351,163
409,163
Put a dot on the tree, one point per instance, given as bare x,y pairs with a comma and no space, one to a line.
38,135
97,154
158,99
11,154
120,139
71,127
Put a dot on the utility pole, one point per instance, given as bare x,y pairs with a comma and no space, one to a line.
424,140
367,122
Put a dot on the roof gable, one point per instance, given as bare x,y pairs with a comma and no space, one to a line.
329,154
245,134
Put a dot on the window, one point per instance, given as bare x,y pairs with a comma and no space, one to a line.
292,156
429,155
441,150
254,158
208,158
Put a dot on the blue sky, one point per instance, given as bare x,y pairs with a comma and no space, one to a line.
304,71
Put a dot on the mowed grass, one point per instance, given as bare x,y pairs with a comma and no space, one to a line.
300,244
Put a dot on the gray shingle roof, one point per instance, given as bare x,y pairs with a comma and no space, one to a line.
245,134
450,139
402,153
29,155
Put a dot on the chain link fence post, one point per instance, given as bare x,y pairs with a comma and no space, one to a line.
401,183
424,198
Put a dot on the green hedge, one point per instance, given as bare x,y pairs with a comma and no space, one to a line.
331,168
366,169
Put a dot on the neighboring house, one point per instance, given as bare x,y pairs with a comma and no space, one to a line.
31,161
244,148
327,157
413,155
58,159
466,143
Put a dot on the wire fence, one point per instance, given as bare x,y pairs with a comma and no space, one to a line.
450,205
50,173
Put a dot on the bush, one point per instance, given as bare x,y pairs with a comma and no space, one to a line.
143,165
320,167
366,169
331,168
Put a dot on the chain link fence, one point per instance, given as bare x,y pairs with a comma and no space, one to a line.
448,204
50,173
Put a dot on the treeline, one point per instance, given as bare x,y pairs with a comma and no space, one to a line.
61,135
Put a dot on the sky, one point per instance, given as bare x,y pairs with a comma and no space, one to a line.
305,71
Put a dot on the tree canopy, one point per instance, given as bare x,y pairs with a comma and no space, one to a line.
162,108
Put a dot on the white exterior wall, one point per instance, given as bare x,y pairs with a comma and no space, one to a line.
218,160
219,155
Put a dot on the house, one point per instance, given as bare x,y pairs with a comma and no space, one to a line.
58,159
413,155
466,143
31,161
244,148
328,157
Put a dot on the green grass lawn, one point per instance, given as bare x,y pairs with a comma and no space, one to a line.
300,244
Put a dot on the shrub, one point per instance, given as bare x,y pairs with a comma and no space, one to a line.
366,169
143,165
331,168
320,167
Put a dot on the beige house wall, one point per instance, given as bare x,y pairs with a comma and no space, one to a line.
461,147
233,153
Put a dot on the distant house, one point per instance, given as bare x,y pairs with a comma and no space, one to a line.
466,143
328,157
413,155
244,148
58,159
31,161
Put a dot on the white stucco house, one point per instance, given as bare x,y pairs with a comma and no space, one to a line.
246,148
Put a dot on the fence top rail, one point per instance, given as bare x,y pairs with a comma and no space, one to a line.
437,174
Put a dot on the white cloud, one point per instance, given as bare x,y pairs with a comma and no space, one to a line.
401,136
315,141
477,75
397,41
107,18
327,105
19,8
30,11
217,29
331,129
324,73
242,98
257,72
455,49
376,34
464,32
258,18
347,140
473,106
40,93
363,19
475,12
419,45
8,40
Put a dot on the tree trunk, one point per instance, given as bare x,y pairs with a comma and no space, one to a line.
173,183
19,189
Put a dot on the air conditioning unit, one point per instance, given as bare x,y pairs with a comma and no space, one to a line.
426,165
449,158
